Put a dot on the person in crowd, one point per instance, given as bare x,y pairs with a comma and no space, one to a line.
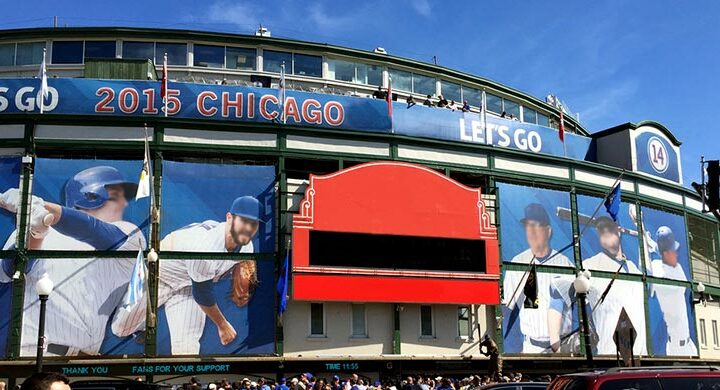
262,384
427,101
503,115
442,102
452,105
465,106
46,381
380,94
410,101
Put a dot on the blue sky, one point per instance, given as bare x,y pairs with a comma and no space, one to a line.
612,61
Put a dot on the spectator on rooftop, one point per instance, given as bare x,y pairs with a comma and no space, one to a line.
427,101
379,94
410,101
442,102
466,106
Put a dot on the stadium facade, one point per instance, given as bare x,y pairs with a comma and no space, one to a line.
406,238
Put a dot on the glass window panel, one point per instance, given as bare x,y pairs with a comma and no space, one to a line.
401,81
543,120
473,96
358,321
306,65
29,53
529,115
636,384
451,91
138,50
374,74
704,251
176,53
341,70
7,54
494,103
99,49
317,322
464,321
512,108
423,84
240,58
67,52
273,59
209,56
703,334
715,332
426,325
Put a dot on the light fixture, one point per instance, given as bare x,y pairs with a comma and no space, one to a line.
152,256
582,282
44,286
703,298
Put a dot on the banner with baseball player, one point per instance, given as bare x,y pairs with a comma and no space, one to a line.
217,306
536,239
9,179
80,205
672,321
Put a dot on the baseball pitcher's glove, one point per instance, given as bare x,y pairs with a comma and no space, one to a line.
244,282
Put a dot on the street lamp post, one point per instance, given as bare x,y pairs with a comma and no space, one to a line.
582,285
44,287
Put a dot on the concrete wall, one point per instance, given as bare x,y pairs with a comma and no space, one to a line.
709,313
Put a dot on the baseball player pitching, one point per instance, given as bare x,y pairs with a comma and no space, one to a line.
87,290
672,299
533,321
186,287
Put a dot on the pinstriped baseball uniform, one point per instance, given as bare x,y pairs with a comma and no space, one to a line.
533,322
185,318
673,305
86,293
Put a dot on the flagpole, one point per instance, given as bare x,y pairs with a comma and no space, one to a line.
484,110
281,93
165,85
43,81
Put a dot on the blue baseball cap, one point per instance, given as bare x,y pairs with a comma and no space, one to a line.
536,212
246,207
666,239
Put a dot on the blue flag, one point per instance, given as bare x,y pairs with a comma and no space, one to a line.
282,285
137,282
612,202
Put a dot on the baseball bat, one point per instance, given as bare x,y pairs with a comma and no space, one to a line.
565,214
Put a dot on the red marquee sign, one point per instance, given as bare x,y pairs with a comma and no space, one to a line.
396,200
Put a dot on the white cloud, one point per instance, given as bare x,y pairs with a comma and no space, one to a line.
237,13
422,7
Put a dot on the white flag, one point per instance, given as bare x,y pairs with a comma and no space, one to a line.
143,189
136,287
281,93
42,75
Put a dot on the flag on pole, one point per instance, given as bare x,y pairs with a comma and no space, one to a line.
281,93
42,75
561,128
388,98
282,285
483,110
164,85
612,202
143,189
136,287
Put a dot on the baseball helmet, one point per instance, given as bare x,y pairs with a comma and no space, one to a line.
665,239
246,207
87,189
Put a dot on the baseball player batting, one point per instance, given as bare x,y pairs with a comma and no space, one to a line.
186,287
87,290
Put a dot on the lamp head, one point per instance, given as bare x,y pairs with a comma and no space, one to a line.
700,287
152,256
581,283
44,286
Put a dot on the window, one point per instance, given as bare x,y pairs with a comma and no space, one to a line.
99,49
67,52
473,96
529,115
29,53
273,59
633,384
402,80
176,53
704,251
369,74
463,318
716,343
358,321
317,319
703,334
341,70
138,50
511,108
240,58
7,54
494,103
426,321
423,84
451,91
209,56
708,383
305,65
543,120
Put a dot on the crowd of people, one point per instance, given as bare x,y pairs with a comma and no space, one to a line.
308,381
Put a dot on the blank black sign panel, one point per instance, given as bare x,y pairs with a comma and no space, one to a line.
360,250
